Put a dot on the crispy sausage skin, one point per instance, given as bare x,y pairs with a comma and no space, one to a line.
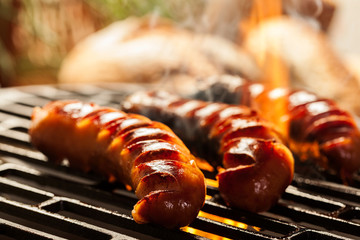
130,148
258,167
315,128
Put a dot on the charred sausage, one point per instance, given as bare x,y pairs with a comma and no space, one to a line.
315,128
257,166
130,148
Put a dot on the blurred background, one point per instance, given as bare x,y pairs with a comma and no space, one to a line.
36,35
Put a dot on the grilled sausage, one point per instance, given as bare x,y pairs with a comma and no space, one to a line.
130,148
315,128
258,167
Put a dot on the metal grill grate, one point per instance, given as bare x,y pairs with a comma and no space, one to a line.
39,200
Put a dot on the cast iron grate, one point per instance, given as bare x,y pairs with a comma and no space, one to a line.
39,200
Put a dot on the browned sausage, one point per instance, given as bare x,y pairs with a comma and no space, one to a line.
130,148
315,128
258,167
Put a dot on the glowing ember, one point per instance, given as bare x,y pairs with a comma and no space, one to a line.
204,165
203,233
218,219
211,182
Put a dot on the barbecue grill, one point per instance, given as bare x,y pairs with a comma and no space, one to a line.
40,200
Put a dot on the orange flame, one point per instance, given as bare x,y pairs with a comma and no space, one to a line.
211,182
218,219
275,71
203,233
261,10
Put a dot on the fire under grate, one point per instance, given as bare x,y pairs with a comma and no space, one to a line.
39,200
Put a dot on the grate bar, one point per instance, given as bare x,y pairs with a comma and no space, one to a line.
12,230
41,220
43,201
316,220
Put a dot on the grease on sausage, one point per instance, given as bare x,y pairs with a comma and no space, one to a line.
258,167
129,148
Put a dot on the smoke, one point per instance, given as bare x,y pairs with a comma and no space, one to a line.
223,17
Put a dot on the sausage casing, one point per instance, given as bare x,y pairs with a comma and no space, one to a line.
258,167
315,128
129,148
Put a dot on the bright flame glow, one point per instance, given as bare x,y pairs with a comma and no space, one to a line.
223,220
261,10
208,197
204,165
227,221
211,182
203,233
275,71
218,219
